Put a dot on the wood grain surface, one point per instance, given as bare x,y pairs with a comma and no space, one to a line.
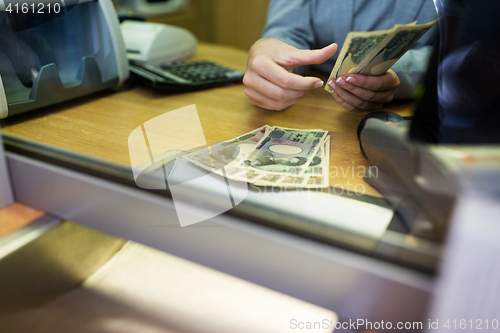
99,125
17,216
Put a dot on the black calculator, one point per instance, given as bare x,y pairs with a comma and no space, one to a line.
185,76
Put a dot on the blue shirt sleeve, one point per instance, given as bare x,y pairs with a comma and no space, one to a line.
304,25
290,22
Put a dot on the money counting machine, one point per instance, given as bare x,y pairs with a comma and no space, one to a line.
50,54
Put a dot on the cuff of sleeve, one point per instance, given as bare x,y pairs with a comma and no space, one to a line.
404,91
410,69
287,39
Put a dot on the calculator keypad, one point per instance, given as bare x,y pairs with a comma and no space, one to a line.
185,76
201,71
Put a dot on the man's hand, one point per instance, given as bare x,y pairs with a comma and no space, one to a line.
267,81
358,92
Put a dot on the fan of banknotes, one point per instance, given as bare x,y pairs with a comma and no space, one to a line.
271,156
374,52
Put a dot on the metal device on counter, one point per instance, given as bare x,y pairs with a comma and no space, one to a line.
47,57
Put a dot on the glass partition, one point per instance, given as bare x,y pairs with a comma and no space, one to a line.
139,137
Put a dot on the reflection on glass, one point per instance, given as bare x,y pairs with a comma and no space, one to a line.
469,71
92,135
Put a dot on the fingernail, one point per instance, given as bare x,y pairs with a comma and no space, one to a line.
341,81
332,84
351,79
318,84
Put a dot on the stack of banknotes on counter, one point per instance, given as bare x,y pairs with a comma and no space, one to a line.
271,156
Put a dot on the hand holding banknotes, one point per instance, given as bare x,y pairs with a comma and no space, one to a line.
357,92
268,82
361,79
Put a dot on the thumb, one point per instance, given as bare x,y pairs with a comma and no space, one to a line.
309,57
